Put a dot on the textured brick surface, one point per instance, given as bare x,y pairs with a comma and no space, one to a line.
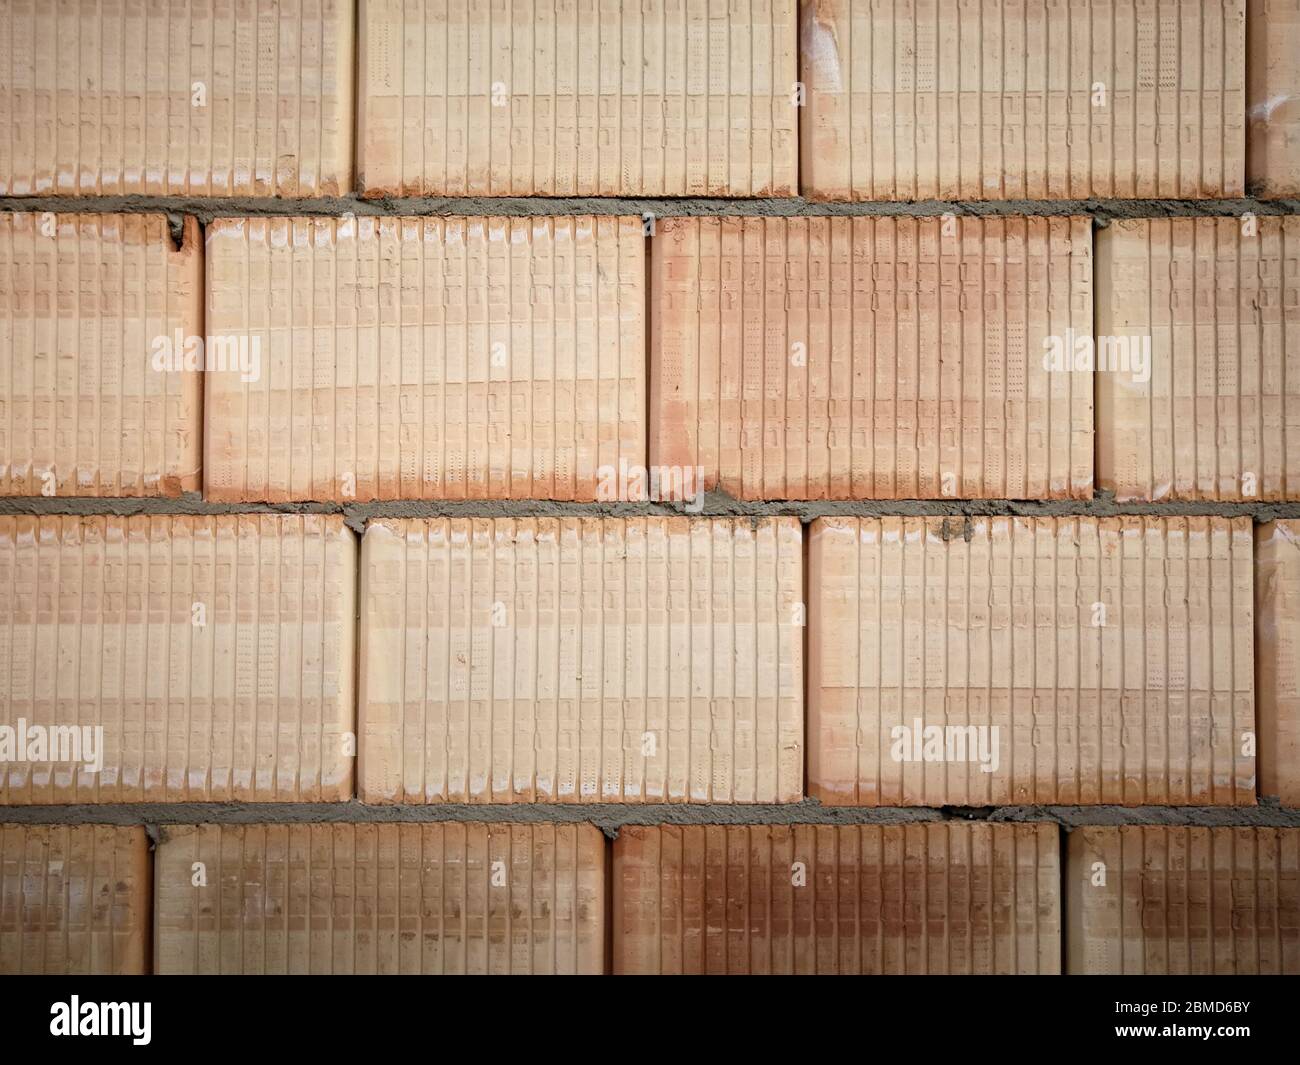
252,98
454,898
1000,100
74,900
406,358
1183,900
215,653
1273,97
86,302
937,898
662,98
582,660
1219,417
1277,652
813,358
1114,657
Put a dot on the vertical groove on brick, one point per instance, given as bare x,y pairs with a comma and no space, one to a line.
581,660
977,100
600,99
1183,901
392,898
1054,632
1217,305
214,652
90,308
837,899
74,900
764,331
122,98
426,358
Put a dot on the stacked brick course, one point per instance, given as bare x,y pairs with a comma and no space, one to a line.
462,529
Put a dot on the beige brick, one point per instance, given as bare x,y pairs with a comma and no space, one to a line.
90,306
1103,661
660,98
433,358
1215,304
842,358
215,653
1183,901
946,897
1277,635
1002,100
1273,98
74,900
172,99
582,660
393,898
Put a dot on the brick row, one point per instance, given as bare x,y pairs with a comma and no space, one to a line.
942,897
842,99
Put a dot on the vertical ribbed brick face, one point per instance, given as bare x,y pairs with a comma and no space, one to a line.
434,358
74,900
435,899
1273,98
948,897
864,358
172,99
1030,660
1004,99
215,653
1147,899
1198,340
582,660
91,305
1277,632
577,98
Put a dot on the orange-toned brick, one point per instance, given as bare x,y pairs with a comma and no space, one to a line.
213,654
945,897
74,900
1277,635
1159,899
1208,311
660,98
90,305
842,358
111,97
1273,98
1030,660
1003,100
582,660
425,358
343,898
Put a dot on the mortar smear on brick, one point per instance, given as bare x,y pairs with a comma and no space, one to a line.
214,653
91,307
582,660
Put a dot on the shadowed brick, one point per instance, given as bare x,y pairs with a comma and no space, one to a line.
1273,98
1277,632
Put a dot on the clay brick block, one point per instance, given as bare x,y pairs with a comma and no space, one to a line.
1273,98
587,99
425,358
947,897
582,660
860,358
90,305
1183,901
1277,635
399,898
174,99
1030,660
998,101
74,900
1215,305
215,653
